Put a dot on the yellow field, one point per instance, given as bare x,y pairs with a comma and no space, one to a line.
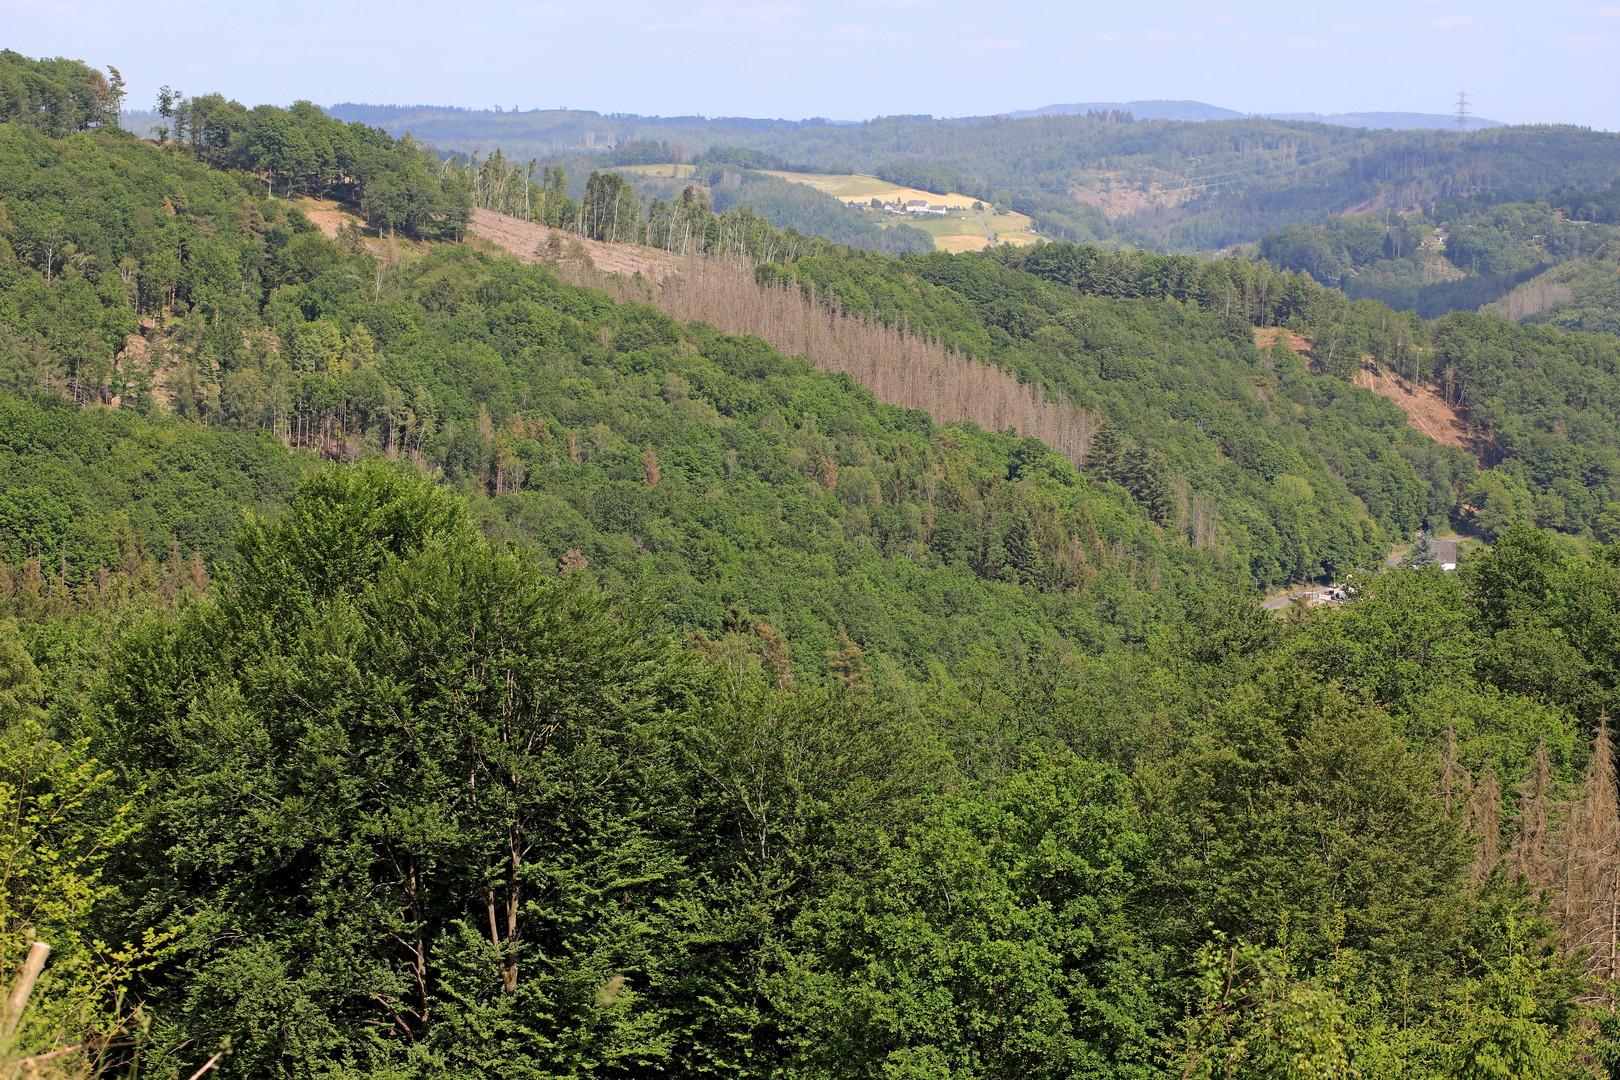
863,189
966,232
960,229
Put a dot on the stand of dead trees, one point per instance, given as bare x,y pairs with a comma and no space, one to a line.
897,366
1567,844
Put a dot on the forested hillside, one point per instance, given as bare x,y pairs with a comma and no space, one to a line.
1548,261
1166,185
58,96
1248,452
424,659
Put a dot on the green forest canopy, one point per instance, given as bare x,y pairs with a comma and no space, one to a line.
558,689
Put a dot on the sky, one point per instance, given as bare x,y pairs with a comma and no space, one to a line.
1550,61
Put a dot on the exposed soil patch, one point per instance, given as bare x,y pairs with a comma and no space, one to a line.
1425,409
1266,338
328,216
526,240
1125,199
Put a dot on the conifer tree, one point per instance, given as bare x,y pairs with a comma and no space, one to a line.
1454,779
1529,854
1483,823
774,654
846,664
1104,454
750,643
1423,552
1591,880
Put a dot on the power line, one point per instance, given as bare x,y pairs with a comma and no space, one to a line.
1462,111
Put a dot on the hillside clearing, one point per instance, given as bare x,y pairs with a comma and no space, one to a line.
526,240
668,171
1425,409
1117,196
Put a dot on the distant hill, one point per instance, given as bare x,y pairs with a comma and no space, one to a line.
1142,110
1200,111
1391,121
1230,179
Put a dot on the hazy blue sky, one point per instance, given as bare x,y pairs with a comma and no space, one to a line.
1521,61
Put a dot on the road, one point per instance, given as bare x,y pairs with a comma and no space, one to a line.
1277,603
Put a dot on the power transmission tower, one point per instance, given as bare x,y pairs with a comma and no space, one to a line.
1462,111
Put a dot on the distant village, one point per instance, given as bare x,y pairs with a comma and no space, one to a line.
914,206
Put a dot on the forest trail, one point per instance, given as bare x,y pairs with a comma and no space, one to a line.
525,238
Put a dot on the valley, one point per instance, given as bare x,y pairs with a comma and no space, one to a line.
576,596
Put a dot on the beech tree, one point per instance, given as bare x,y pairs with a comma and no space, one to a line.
408,793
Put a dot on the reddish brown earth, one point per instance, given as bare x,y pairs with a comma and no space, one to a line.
525,239
1425,409
1265,339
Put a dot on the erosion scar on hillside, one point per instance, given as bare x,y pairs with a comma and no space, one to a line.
898,367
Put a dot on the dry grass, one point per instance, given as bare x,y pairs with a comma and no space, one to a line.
525,239
863,189
961,242
967,232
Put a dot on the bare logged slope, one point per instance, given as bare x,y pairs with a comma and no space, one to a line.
527,240
899,368
1424,408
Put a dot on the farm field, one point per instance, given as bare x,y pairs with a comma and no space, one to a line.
961,228
863,189
966,230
